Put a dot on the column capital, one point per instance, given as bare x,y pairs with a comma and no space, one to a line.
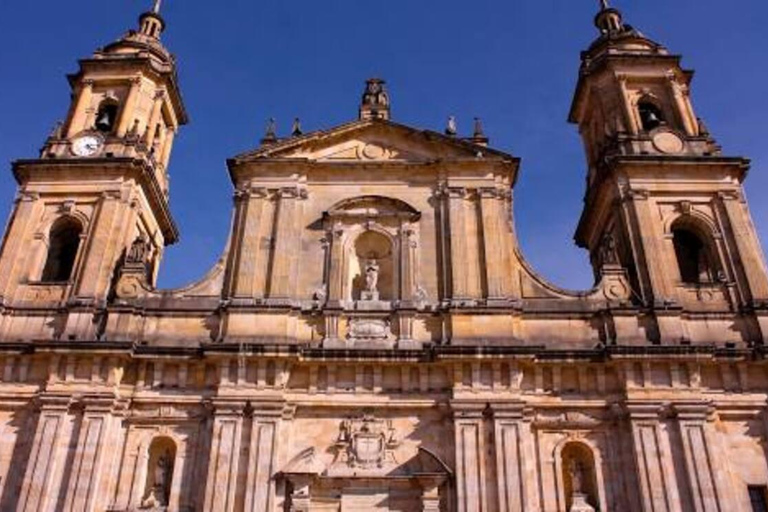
516,410
466,410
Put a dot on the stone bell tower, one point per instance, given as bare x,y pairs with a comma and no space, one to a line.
662,201
99,187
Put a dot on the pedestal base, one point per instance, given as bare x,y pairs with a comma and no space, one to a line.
580,504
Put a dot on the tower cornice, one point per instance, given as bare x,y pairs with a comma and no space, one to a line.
136,168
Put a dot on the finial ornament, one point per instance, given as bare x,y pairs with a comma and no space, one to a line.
451,128
478,131
296,129
270,134
609,20
156,8
375,102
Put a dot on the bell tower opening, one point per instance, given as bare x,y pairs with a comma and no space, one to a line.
107,116
694,257
651,116
64,242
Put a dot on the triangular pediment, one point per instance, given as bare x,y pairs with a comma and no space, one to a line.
372,141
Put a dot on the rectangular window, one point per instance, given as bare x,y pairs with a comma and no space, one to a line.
757,497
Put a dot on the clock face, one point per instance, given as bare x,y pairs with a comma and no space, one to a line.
87,145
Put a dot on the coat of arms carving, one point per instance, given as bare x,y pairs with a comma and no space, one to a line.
366,442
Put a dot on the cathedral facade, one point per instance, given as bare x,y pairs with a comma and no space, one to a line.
372,338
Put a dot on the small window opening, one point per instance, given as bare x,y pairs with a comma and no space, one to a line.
693,258
64,241
650,115
757,498
106,117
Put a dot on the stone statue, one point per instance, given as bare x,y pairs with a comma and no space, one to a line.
372,276
608,252
452,127
139,250
160,488
162,476
576,471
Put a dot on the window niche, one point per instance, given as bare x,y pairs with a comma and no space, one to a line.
160,463
695,256
63,245
579,478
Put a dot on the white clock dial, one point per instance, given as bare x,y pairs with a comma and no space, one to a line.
86,145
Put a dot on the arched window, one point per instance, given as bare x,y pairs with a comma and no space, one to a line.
651,116
160,464
694,257
106,116
63,243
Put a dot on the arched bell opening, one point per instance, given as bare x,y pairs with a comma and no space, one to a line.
372,268
580,482
695,253
160,464
651,115
63,246
106,116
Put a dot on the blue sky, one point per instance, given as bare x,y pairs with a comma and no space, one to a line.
512,62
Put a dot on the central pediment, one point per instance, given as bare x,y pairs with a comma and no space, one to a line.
371,141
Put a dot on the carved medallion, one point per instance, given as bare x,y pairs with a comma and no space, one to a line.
668,142
366,442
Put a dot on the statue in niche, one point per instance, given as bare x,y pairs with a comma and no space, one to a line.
578,471
608,252
139,250
371,272
372,276
160,491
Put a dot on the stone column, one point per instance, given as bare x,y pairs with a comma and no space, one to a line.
408,246
80,112
285,258
89,456
493,230
470,457
631,120
706,480
104,240
750,259
336,272
223,464
263,449
154,117
130,106
45,467
458,240
659,489
14,417
683,113
165,155
254,234
19,238
515,468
